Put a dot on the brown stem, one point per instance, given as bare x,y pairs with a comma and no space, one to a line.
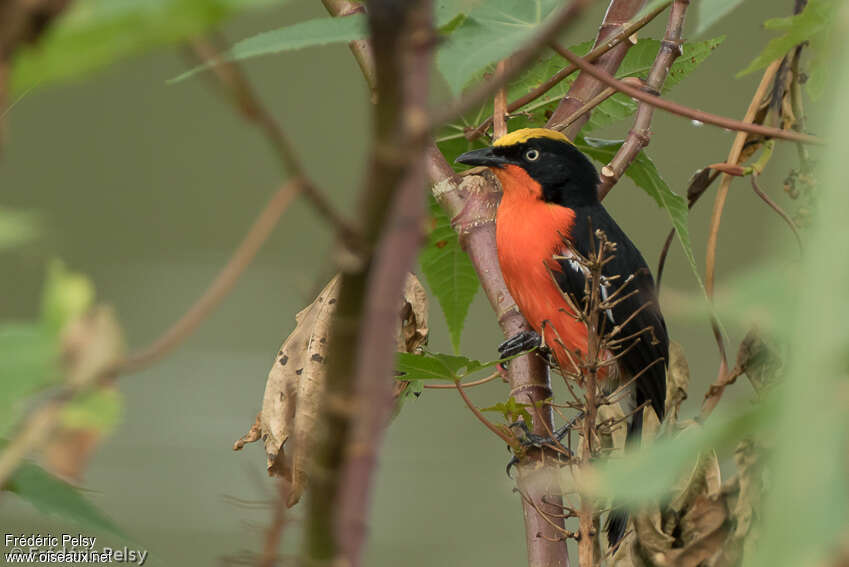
235,83
472,384
499,105
775,207
638,136
619,14
220,286
511,441
687,112
519,61
359,384
275,531
624,33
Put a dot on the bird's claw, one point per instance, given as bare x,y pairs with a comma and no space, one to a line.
528,439
517,344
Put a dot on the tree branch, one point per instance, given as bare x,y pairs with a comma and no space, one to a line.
686,112
638,137
392,209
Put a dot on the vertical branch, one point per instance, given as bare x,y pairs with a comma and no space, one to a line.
391,211
499,105
638,137
585,87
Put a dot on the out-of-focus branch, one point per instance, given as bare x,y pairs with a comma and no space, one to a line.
622,34
235,84
519,61
359,397
687,112
638,137
619,14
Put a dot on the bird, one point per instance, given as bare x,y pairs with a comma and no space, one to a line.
549,210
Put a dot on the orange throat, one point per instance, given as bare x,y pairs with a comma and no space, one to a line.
529,232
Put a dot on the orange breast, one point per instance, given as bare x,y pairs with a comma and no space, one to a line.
528,233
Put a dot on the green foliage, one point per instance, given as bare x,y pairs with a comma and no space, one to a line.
437,366
809,467
511,410
711,11
641,477
17,228
813,24
53,496
644,174
95,33
28,357
449,272
67,295
312,33
100,410
493,30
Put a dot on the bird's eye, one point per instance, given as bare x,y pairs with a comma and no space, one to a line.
532,155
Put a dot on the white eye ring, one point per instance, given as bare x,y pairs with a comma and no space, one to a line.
532,155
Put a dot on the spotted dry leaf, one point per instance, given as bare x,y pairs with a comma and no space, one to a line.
289,418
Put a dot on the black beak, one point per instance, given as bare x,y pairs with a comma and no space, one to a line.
483,156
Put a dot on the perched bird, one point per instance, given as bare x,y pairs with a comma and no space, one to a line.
550,197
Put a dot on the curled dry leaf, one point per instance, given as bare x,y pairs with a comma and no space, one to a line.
289,417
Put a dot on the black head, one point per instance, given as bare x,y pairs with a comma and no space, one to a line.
565,175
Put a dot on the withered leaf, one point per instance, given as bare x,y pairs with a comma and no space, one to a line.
289,418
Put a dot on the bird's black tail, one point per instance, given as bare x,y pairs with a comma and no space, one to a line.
617,520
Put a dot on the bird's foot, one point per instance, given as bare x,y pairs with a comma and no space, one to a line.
524,341
528,440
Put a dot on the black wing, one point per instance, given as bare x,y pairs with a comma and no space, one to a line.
650,353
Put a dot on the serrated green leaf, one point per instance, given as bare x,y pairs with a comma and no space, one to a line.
813,23
100,409
28,357
449,272
711,11
644,174
311,33
53,496
492,31
67,295
439,366
17,227
94,33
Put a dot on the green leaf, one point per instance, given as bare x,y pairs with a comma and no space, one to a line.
438,366
17,227
492,31
813,23
67,295
53,496
711,11
511,410
649,474
311,33
100,409
28,358
644,174
449,272
809,466
95,33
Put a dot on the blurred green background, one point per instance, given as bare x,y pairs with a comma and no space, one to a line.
147,188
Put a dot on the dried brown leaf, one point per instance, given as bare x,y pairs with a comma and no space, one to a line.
677,380
289,419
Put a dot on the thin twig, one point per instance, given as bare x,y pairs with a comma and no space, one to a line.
234,82
638,136
686,112
511,441
775,207
220,286
499,105
472,384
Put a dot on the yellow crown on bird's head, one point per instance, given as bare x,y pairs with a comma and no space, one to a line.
523,135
